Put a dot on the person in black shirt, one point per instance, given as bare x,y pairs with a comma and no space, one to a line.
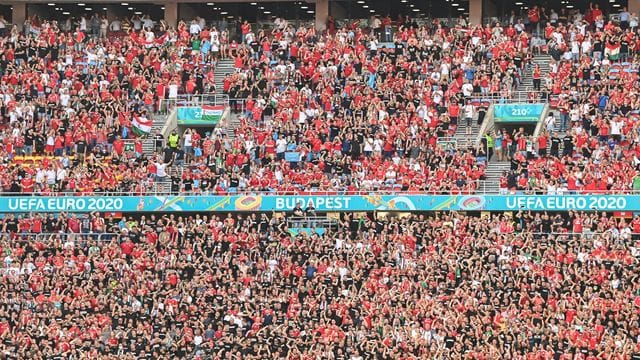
159,140
187,184
10,224
515,164
29,142
167,154
199,81
328,165
567,144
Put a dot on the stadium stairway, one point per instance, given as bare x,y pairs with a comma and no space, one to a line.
149,145
223,67
461,137
234,123
493,172
158,122
556,129
543,61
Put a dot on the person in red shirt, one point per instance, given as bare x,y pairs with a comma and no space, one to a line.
27,184
543,141
127,247
118,146
577,224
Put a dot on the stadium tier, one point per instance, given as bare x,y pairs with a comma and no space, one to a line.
397,187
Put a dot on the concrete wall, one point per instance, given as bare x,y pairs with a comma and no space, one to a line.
19,14
322,13
475,12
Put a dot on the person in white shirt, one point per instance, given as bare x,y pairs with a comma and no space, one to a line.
616,128
137,23
61,174
3,25
633,21
467,89
173,91
575,50
586,46
83,24
444,72
149,37
194,28
519,26
161,169
553,17
188,144
51,176
468,111
214,36
64,97
250,37
40,175
550,122
390,176
147,22
116,25
281,147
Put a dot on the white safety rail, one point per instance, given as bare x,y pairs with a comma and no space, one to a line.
165,106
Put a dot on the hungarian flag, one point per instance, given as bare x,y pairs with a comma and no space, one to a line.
141,125
612,51
161,40
212,113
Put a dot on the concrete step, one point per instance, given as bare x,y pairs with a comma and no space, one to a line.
223,67
493,173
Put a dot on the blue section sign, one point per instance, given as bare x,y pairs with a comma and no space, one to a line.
240,203
189,113
516,113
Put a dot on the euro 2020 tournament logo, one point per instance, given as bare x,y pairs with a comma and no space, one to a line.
470,203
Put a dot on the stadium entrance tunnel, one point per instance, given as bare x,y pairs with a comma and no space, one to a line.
511,128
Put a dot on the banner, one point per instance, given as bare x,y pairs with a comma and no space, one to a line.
141,125
322,203
200,115
517,113
212,113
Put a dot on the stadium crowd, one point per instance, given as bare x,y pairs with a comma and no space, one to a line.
362,115
440,286
589,142
346,103
357,113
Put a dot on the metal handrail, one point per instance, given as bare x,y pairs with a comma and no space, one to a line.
166,105
585,235
147,141
62,236
518,96
300,192
481,188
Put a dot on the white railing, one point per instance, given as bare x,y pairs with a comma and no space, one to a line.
512,97
165,106
63,237
481,187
